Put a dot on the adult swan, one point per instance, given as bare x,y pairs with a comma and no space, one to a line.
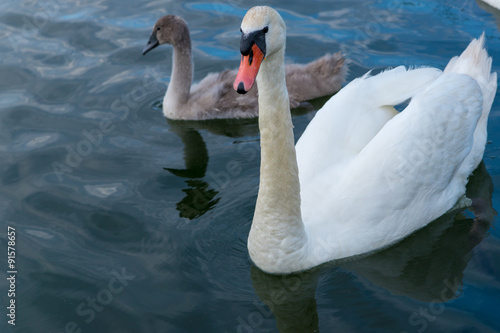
362,176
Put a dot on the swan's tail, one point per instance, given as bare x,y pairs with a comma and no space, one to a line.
476,62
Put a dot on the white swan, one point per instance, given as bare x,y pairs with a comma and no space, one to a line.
362,176
493,3
213,97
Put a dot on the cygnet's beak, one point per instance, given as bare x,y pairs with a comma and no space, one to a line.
152,43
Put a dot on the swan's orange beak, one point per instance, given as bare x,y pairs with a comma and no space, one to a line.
249,67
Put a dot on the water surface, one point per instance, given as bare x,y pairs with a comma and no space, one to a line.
127,222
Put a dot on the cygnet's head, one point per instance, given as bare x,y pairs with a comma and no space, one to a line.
169,29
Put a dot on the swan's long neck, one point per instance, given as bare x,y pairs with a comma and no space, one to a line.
182,76
277,227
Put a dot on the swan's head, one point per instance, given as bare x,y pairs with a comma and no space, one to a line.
263,33
169,29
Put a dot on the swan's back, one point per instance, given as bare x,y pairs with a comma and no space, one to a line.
370,176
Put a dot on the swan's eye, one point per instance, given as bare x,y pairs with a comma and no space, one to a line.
266,29
158,29
241,30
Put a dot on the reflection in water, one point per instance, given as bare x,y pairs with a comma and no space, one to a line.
426,266
290,298
199,198
195,153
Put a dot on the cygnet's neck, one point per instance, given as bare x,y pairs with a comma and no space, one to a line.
178,90
277,224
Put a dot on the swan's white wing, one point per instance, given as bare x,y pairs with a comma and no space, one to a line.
405,176
351,118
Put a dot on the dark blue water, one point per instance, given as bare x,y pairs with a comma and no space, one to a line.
126,222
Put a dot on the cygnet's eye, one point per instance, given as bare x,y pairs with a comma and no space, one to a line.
158,29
